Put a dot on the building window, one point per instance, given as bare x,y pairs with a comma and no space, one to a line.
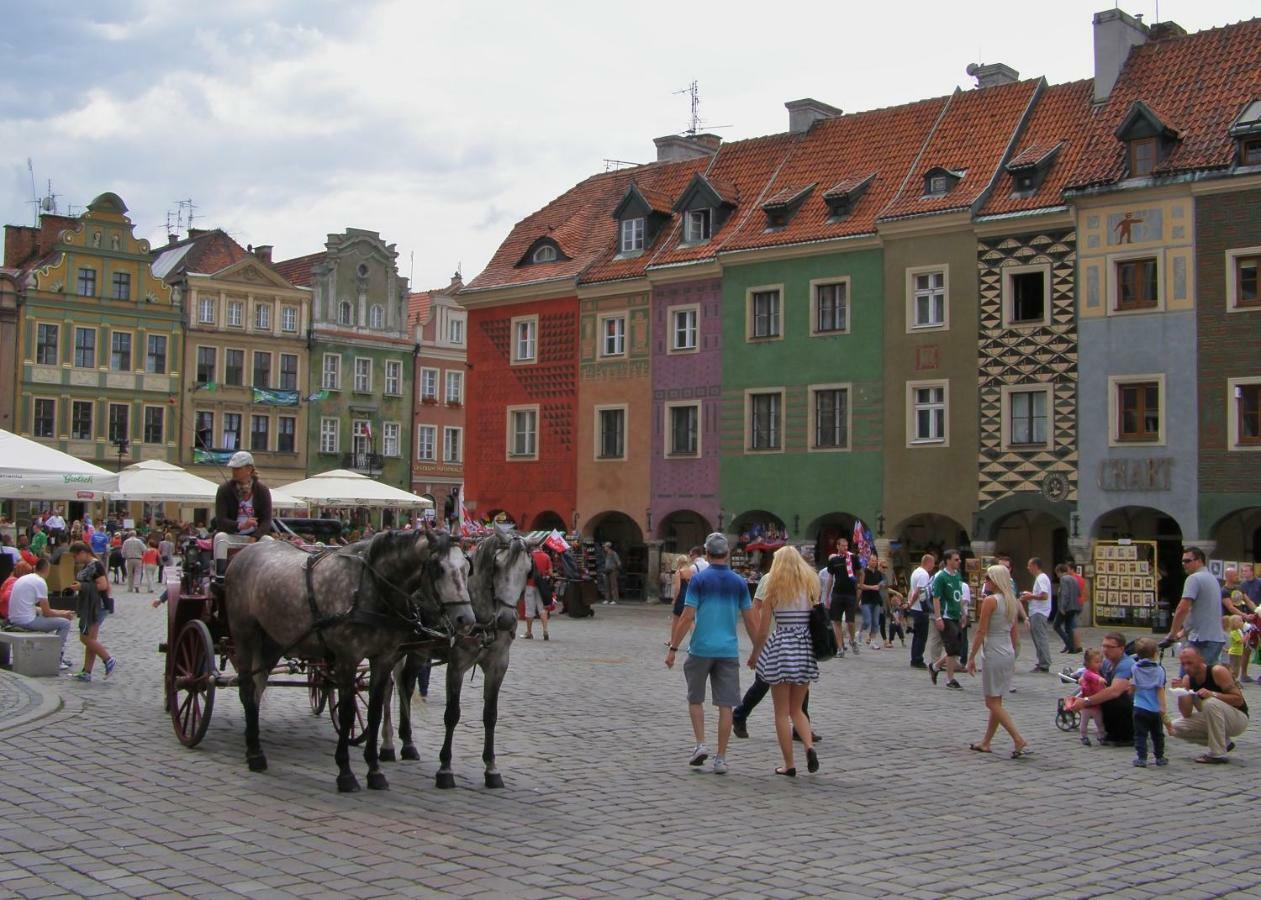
455,387
829,413
345,313
632,235
684,328
1026,292
428,384
1142,157
361,443
1242,290
1136,284
765,427
119,422
235,308
927,298
376,317
698,226
204,430
363,375
286,433
937,185
764,313
393,377
610,432
289,318
231,431
262,370
926,406
81,420
452,438
120,351
234,367
85,348
1027,417
331,375
205,365
155,355
44,418
683,434
1244,413
205,309
288,371
523,426
262,317
425,438
1137,403
47,344
545,254
154,419
330,435
613,336
831,307
390,432
87,282
525,339
455,330
122,286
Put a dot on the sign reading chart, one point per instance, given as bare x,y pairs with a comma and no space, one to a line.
1123,590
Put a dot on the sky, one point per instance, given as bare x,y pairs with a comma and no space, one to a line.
440,125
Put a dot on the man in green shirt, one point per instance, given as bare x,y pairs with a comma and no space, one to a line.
39,541
947,594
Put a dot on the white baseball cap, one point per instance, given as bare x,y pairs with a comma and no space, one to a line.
241,459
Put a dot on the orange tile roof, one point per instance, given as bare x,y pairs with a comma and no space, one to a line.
1199,81
297,271
972,137
418,306
658,201
1059,124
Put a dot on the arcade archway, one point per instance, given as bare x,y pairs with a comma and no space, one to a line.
1028,533
826,529
548,521
1145,523
683,529
1238,535
925,533
627,539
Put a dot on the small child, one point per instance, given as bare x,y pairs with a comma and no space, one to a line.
1091,682
1148,688
896,617
1233,626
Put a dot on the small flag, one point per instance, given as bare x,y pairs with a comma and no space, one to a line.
206,386
367,430
318,395
555,541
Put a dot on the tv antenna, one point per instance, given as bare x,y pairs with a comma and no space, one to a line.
45,204
695,122
181,217
613,165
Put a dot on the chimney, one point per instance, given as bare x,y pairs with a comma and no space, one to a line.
198,232
1116,32
263,252
992,74
1163,31
20,243
172,240
805,112
676,147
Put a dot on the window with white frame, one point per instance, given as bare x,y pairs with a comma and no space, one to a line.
206,309
231,431
390,434
363,375
1243,405
684,328
455,330
926,298
376,317
331,372
829,417
428,384
426,436
330,435
452,444
613,336
683,429
632,235
610,438
393,377
1243,291
345,313
698,225
455,387
764,313
1026,417
544,254
235,313
764,415
523,424
262,317
1027,295
926,412
829,312
289,319
525,339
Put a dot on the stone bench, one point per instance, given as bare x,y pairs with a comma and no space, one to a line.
30,652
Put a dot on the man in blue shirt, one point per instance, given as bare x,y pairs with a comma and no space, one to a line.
1117,703
716,599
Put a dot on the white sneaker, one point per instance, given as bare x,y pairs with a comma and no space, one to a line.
612,603
720,766
700,753
605,602
65,664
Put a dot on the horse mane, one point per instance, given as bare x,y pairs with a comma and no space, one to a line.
390,543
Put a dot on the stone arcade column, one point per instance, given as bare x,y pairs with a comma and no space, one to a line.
652,580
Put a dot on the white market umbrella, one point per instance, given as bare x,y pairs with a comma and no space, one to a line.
155,481
342,487
29,469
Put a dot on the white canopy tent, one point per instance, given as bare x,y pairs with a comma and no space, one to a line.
157,481
341,487
30,470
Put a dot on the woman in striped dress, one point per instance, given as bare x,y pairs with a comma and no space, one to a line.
784,656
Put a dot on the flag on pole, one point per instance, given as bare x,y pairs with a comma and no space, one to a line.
367,430
556,541
318,395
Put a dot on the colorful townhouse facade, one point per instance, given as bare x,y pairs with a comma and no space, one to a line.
440,328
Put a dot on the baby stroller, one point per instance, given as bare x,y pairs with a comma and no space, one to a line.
1067,719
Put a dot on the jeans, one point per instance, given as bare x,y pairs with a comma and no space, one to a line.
49,625
1040,629
1210,650
1064,625
919,637
871,617
1147,723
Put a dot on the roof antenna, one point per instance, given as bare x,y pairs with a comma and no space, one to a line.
695,122
411,270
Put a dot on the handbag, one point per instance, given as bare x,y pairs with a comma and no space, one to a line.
822,637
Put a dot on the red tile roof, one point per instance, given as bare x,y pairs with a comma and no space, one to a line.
658,201
418,306
972,137
786,196
1059,124
212,252
297,271
1196,84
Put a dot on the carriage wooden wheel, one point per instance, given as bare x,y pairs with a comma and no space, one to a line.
360,699
318,689
191,687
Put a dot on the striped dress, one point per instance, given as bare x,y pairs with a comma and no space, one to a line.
788,656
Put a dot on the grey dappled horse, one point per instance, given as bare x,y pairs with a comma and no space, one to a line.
501,565
356,603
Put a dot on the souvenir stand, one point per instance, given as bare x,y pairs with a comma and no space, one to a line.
1123,580
974,574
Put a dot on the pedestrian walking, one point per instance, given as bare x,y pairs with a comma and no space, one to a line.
947,595
870,590
151,564
94,603
1039,603
133,558
536,587
996,632
918,603
1068,607
843,568
166,553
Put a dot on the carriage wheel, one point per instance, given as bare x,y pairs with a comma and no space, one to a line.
360,698
192,685
317,689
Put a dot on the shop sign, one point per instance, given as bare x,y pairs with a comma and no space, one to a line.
1154,473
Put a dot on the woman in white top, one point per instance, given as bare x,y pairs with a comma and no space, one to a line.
996,634
784,658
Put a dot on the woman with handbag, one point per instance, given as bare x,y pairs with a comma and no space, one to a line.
784,657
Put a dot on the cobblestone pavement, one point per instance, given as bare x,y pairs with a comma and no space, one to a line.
100,799
19,698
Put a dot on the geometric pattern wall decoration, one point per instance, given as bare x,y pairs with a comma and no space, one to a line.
1028,355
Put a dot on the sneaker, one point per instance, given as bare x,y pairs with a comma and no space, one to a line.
545,637
720,766
83,676
110,665
1162,761
1140,763
954,684
700,753
605,602
739,728
933,672
64,664
854,646
1085,741
612,603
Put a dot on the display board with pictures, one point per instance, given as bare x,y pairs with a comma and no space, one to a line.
1123,582
974,569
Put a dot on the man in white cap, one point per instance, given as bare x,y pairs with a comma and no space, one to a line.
242,508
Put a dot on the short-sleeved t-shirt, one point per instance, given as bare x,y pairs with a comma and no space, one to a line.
872,579
1041,585
100,541
718,595
38,543
949,589
1124,669
1205,621
27,592
922,580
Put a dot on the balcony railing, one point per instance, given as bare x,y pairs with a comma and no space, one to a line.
368,463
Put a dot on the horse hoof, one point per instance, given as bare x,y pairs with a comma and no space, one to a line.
347,784
387,755
377,782
257,763
494,780
445,780
410,752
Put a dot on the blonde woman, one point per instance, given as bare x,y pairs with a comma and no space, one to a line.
1000,615
784,657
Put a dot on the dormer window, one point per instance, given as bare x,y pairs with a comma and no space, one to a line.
781,206
843,196
1148,140
938,184
543,250
705,206
632,235
1028,168
1247,130
939,181
1142,157
1250,153
698,226
544,254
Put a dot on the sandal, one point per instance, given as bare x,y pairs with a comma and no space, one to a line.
812,760
790,772
979,749
1021,752
1211,760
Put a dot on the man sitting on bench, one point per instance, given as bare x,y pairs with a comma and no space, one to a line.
242,509
30,592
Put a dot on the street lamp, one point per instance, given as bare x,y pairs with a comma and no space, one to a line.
880,524
123,445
